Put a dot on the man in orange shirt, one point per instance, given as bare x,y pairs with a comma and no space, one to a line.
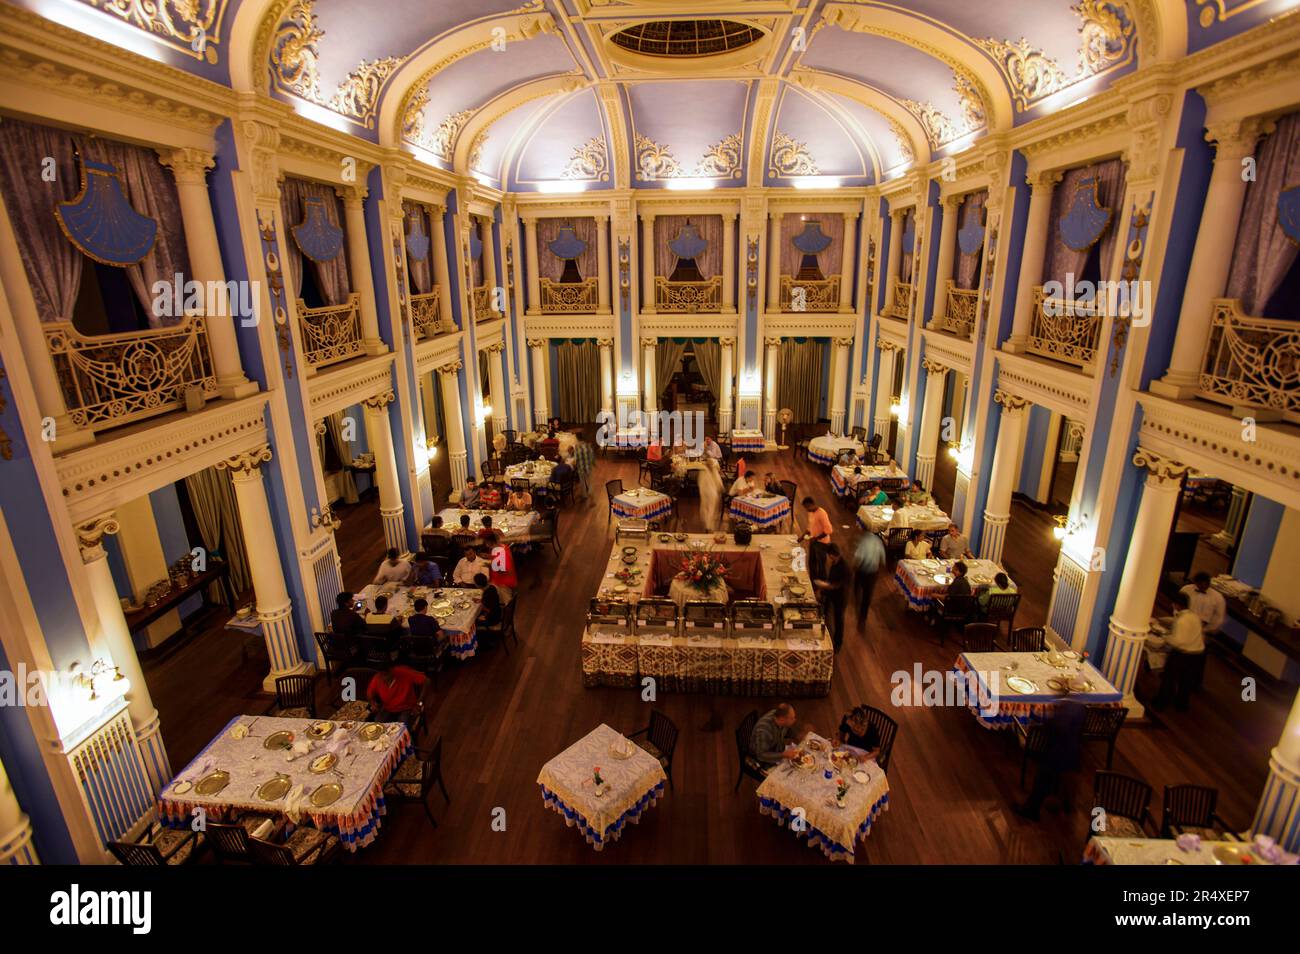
818,535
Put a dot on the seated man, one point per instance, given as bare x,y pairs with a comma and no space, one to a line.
774,737
469,497
917,546
521,501
420,622
955,545
960,585
490,610
1207,603
345,621
425,572
712,449
394,569
394,694
743,486
464,532
564,470
873,496
486,531
771,484
470,566
850,458
917,494
489,496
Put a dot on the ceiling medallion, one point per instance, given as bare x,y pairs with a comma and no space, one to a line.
790,158
589,161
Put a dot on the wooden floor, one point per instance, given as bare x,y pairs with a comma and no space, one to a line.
501,717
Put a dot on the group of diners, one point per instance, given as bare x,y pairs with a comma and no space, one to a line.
777,734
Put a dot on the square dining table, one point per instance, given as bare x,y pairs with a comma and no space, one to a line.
1005,688
642,503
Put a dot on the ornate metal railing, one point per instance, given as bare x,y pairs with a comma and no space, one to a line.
110,380
331,333
1066,330
1253,361
569,297
798,294
426,313
688,297
482,303
901,304
960,311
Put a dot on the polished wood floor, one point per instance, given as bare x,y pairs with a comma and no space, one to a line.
502,716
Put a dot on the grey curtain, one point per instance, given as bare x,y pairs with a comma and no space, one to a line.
334,430
667,356
549,264
966,269
579,367
52,263
799,379
421,268
332,277
829,259
1264,254
213,499
708,356
708,227
1061,260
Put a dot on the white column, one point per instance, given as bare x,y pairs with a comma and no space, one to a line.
189,169
846,264
537,347
1031,259
1140,578
884,390
16,846
1207,276
379,436
441,270
726,384
729,262
449,377
1002,479
931,411
602,264
490,262
895,258
274,610
1232,523
363,281
117,638
947,253
649,375
1278,815
771,370
839,382
773,302
647,262
606,347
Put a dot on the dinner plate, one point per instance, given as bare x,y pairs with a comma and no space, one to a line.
806,761
620,588
1022,685
443,612
180,788
1228,855
664,537
323,763
622,750
371,731
629,551
861,777
278,740
797,591
274,788
327,794
318,730
213,783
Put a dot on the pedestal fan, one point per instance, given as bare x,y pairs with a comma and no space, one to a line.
784,416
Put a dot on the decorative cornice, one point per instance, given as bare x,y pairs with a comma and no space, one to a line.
344,387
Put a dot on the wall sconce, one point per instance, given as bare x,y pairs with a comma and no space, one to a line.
1061,530
898,409
954,450
325,518
98,681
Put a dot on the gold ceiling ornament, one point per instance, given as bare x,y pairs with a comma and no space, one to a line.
1108,35
654,161
476,149
1030,73
939,129
413,115
972,107
723,158
191,26
357,95
904,141
589,161
441,142
790,157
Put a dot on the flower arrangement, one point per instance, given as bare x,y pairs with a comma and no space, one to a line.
841,789
595,776
704,571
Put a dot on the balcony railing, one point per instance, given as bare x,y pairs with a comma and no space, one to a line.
798,294
482,303
960,311
426,313
1252,361
901,305
110,380
331,333
688,297
1066,330
569,297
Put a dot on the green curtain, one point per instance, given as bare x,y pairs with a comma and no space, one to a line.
667,356
799,381
708,356
213,500
579,366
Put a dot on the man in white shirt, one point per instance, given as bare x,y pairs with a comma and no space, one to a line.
742,485
1206,602
954,546
712,448
471,565
1186,645
394,569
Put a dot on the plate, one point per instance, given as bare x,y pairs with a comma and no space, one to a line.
620,588
1022,685
274,788
806,761
664,537
371,731
622,750
327,794
797,591
629,551
323,763
1057,684
861,777
442,612
842,759
213,783
628,559
1227,855
180,788
279,740
318,730
680,538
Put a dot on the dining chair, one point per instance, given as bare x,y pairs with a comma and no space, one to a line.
1190,810
612,489
1028,639
1001,608
306,846
414,779
659,739
748,764
1102,724
896,542
159,846
1125,802
231,840
980,638
886,730
950,611
1033,738
295,697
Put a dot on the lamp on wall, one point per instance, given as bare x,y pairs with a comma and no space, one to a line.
898,408
1062,526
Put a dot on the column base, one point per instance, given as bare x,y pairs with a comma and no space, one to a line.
1176,385
995,535
302,669
1123,658
1278,815
1016,344
394,527
724,422
837,422
373,346
769,424
459,469
16,846
148,734
235,389
925,470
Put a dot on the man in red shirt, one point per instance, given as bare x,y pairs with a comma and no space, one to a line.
502,573
394,694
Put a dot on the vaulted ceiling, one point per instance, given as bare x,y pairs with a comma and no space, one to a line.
572,95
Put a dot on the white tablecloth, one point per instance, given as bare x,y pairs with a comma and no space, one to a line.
537,473
1103,850
458,622
997,705
917,516
761,509
844,482
915,578
827,449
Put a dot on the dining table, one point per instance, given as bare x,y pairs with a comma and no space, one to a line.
845,482
920,581
536,472
761,508
1002,688
601,784
827,448
513,525
641,503
533,439
456,609
801,794
748,441
880,517
1111,850
303,771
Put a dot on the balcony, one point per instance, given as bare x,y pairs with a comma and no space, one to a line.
900,305
1251,361
799,295
110,380
960,311
569,297
688,297
426,313
1066,330
481,303
331,333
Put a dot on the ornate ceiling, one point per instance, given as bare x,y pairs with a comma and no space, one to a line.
540,96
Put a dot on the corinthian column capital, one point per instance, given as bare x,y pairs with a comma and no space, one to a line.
1160,469
188,166
247,463
90,536
1235,139
1010,401
380,401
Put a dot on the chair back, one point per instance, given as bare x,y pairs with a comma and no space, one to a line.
858,433
1187,805
375,650
296,692
1028,639
876,438
1122,795
521,484
613,488
510,434
1102,723
1002,606
421,650
790,489
269,853
334,655
896,541
893,485
958,609
886,730
662,733
135,855
980,638
744,732
230,842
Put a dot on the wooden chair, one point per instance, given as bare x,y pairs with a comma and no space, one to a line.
157,847
801,449
503,632
1001,608
295,697
1126,802
1028,639
231,841
1102,724
980,638
886,730
337,658
521,485
564,489
896,542
748,764
858,433
546,529
376,651
511,435
660,740
415,777
1033,738
948,611
428,654
493,467
306,846
790,490
1190,809
612,489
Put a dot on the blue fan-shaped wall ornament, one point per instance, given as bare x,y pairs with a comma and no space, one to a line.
100,221
1288,213
971,234
567,244
1086,218
417,243
318,238
812,240
688,243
